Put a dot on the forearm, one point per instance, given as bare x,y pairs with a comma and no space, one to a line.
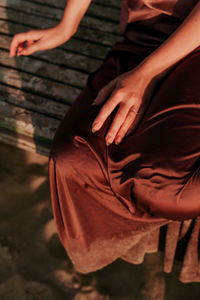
73,13
180,43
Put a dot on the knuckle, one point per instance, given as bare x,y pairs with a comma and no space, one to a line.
112,102
120,92
17,38
125,106
107,107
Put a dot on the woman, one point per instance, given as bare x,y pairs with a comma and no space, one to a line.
125,173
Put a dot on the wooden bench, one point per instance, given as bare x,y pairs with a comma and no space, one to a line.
37,90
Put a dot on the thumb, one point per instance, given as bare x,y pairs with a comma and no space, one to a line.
104,93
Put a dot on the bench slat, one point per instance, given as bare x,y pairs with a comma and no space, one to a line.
105,3
50,71
40,7
28,123
114,3
23,142
39,86
21,14
33,102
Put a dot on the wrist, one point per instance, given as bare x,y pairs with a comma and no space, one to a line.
152,67
64,31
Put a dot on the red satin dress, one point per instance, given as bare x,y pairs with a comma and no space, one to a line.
142,195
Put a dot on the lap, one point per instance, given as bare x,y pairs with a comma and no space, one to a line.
161,156
155,165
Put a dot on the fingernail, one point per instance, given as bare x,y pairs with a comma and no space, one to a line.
94,130
108,140
94,103
117,143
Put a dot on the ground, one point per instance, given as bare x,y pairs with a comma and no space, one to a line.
34,265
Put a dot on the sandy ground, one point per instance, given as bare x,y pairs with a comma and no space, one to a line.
35,266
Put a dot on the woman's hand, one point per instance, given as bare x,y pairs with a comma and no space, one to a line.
26,43
128,92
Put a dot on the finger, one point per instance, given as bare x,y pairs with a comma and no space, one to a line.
104,93
29,43
130,118
105,111
20,48
23,45
117,122
18,39
32,48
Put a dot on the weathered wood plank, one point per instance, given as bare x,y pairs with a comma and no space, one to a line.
39,86
113,3
51,17
81,48
106,3
33,102
108,12
24,142
41,68
56,56
28,123
97,10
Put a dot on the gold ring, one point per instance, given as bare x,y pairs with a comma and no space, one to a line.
133,110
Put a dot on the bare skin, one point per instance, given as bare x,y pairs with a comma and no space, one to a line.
129,89
45,39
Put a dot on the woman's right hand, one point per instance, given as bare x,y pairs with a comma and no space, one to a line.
36,40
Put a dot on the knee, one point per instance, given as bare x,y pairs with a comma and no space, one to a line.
71,155
58,149
63,152
189,196
171,201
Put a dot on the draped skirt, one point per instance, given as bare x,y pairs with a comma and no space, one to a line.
143,195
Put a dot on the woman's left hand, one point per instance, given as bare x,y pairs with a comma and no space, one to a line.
127,91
